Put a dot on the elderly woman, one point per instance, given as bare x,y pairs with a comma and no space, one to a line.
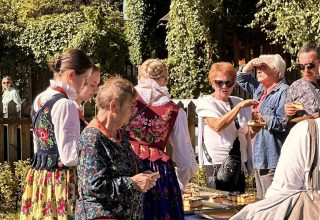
270,89
9,94
225,118
50,189
111,182
156,121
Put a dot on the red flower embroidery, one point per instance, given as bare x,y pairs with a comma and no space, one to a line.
47,209
46,110
26,207
61,207
43,135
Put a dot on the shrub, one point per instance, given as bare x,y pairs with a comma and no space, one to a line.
11,184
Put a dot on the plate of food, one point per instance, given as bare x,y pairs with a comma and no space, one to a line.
257,123
217,214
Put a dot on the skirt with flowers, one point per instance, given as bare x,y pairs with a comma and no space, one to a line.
49,195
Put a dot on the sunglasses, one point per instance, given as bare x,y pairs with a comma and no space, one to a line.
220,83
309,66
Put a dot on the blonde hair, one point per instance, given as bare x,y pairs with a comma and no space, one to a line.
153,69
225,68
115,88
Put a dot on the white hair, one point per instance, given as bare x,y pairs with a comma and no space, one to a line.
276,61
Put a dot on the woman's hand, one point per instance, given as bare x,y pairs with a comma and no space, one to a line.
248,103
144,181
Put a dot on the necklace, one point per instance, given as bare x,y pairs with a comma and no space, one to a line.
104,130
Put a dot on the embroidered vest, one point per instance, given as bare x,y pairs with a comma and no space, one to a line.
47,157
149,131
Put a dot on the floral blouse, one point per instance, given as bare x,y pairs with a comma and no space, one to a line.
104,170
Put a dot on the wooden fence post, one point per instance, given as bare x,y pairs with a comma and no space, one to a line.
25,140
1,140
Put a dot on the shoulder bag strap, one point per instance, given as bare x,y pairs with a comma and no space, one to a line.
236,118
313,164
315,94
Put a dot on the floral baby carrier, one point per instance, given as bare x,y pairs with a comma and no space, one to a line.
47,157
149,130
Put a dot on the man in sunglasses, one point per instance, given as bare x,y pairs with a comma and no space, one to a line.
270,89
305,90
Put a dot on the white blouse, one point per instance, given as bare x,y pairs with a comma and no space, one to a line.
218,144
183,153
8,95
65,118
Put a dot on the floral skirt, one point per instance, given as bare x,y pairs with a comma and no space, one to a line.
164,201
49,195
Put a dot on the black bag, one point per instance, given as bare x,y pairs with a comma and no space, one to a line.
230,168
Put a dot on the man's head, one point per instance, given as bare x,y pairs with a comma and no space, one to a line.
308,58
271,69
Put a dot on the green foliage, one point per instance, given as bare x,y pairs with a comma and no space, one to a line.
290,23
145,35
199,178
33,31
190,47
11,183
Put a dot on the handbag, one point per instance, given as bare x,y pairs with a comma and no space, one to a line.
230,169
307,206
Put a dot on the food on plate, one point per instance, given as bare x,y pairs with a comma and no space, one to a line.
256,123
192,202
298,105
217,197
232,196
246,198
191,190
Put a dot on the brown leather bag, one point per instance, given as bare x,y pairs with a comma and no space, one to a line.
308,204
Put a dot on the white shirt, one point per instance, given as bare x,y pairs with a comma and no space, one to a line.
183,153
292,166
219,144
65,118
8,95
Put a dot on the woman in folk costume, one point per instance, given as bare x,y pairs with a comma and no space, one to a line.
89,89
156,121
50,187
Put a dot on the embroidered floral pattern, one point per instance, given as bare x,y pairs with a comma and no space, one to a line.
44,130
151,130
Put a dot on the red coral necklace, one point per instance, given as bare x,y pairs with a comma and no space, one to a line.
104,130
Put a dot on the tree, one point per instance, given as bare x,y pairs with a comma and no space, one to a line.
290,23
190,47
40,29
145,36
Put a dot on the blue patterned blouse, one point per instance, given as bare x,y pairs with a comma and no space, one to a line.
104,171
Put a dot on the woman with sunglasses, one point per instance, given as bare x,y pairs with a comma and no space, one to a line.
219,112
9,94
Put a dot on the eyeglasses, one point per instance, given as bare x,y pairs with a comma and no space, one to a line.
309,66
220,83
5,82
